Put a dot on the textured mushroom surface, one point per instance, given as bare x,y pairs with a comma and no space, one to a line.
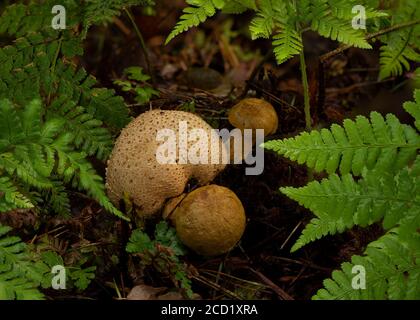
210,220
252,113
134,170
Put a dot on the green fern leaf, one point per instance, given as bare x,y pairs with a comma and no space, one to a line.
31,68
341,202
16,272
20,19
33,163
340,30
239,6
11,198
397,53
197,13
89,135
73,167
402,45
270,12
317,229
392,272
58,199
379,144
103,11
413,108
287,44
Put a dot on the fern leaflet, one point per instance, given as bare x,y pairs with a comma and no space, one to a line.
341,202
197,12
392,272
383,144
16,272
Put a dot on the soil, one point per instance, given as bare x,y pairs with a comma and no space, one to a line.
262,266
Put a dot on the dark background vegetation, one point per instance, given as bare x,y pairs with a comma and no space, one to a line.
261,267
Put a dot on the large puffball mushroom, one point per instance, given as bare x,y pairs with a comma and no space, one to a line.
253,113
134,170
209,220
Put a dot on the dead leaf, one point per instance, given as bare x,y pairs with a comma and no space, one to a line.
144,292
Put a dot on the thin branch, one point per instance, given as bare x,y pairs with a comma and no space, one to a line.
142,44
370,36
254,73
325,57
279,291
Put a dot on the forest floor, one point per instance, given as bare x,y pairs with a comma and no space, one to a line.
261,267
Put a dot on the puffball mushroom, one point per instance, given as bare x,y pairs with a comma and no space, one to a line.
252,113
209,220
134,170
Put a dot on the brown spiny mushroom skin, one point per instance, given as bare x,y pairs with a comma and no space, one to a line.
252,113
210,220
133,169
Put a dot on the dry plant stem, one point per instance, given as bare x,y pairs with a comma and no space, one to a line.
254,73
280,292
142,44
215,286
307,99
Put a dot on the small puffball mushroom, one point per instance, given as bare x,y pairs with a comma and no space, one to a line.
252,113
134,170
209,220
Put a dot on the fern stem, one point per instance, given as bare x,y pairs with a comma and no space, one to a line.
142,44
306,96
54,64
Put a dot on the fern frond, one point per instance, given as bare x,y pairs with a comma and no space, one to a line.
196,13
383,144
73,167
317,229
328,20
343,9
10,197
16,273
89,135
397,54
30,68
341,202
239,6
54,152
413,108
58,198
287,43
392,272
22,19
103,11
23,170
269,12
401,46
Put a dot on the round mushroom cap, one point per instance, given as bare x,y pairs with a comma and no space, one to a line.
134,170
210,220
252,113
